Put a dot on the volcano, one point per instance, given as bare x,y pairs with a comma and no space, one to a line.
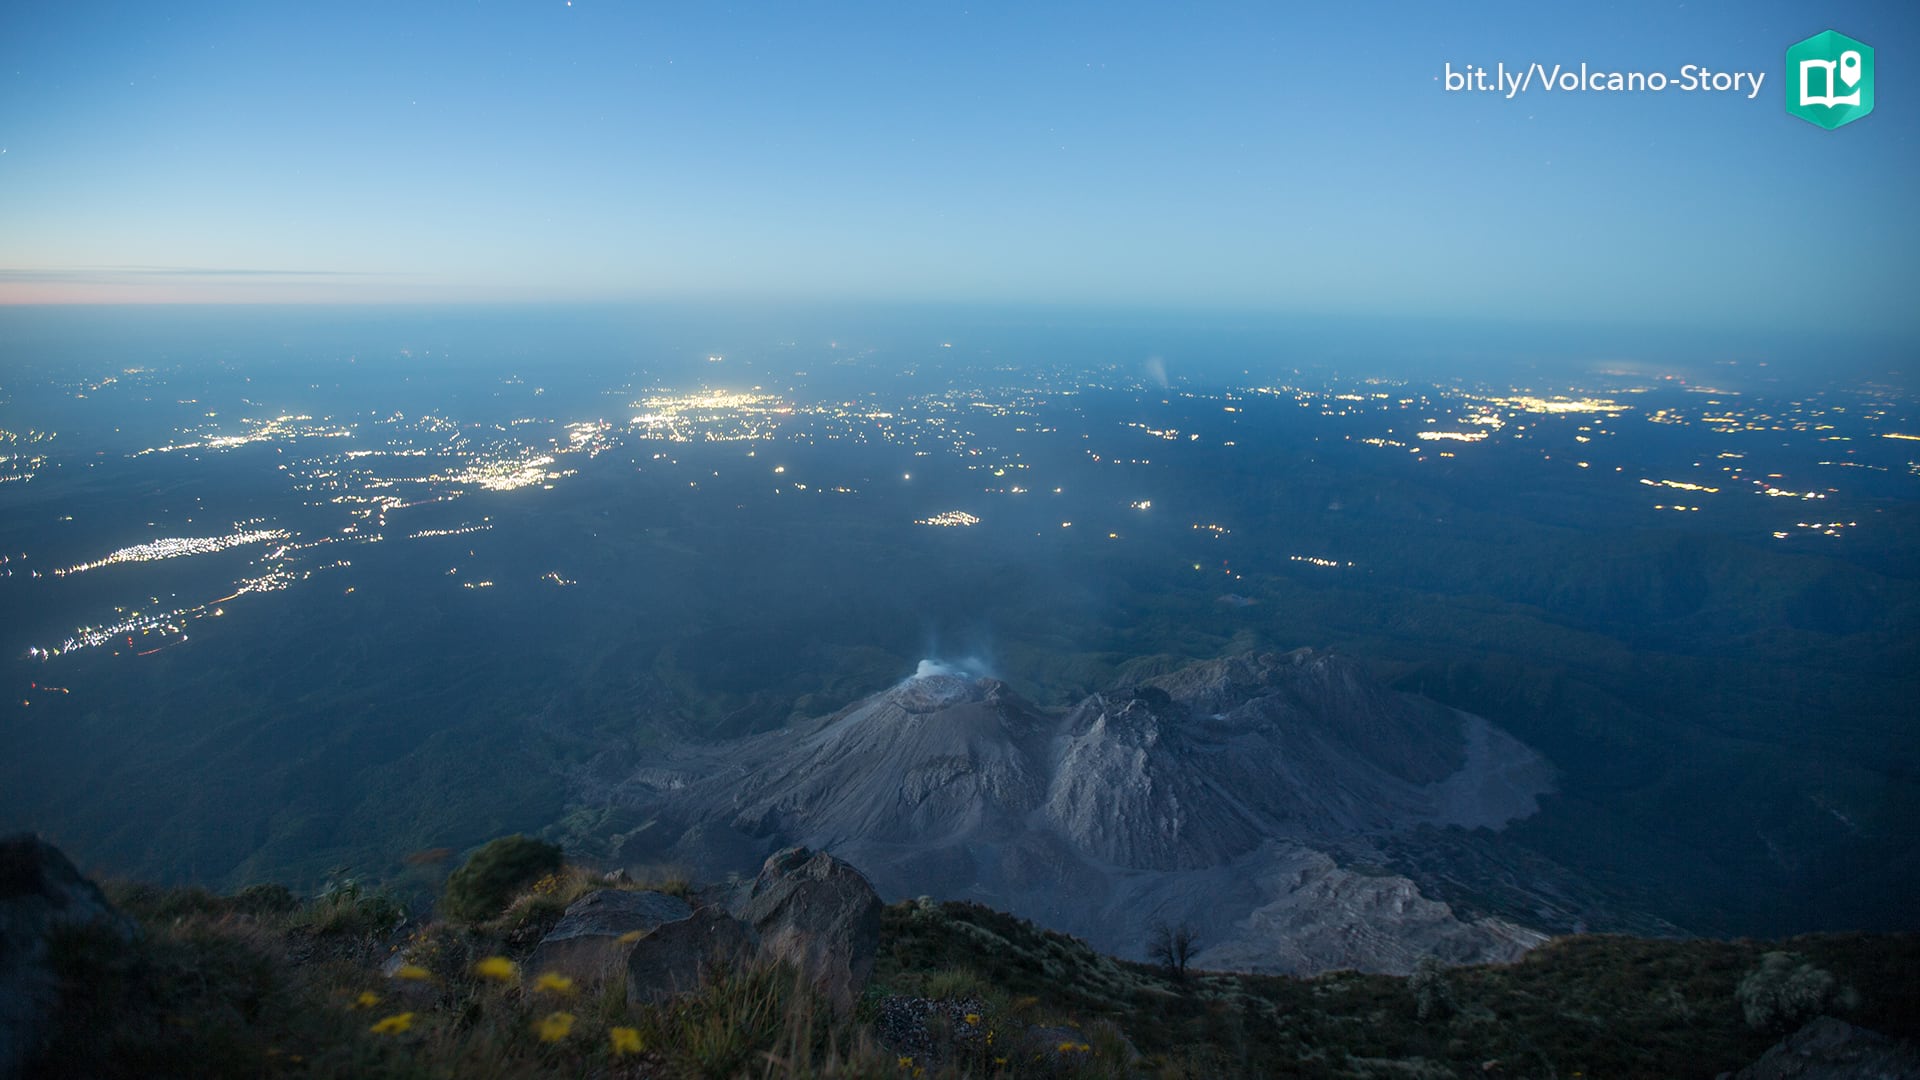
1212,796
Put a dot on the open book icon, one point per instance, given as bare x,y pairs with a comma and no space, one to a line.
1845,70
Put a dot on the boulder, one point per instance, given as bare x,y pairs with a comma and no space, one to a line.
1830,1049
40,894
820,915
1065,1047
412,993
1055,1047
670,959
587,941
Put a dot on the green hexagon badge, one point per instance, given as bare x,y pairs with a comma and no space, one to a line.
1829,79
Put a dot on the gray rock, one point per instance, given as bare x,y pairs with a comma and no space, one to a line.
40,894
1069,1048
820,915
413,993
1054,1046
671,959
1830,1049
586,943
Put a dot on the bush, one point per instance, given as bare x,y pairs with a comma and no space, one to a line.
1432,993
483,886
1785,989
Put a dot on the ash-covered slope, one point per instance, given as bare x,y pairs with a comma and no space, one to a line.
1206,796
1204,764
937,760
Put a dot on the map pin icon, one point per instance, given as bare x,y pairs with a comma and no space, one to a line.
1850,67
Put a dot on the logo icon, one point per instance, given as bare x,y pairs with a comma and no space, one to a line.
1829,79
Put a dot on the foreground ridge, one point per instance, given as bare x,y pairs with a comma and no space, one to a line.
261,983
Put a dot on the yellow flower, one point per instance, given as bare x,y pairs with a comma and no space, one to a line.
973,1018
631,936
395,1024
413,972
556,1026
906,1062
497,968
626,1041
558,984
367,1000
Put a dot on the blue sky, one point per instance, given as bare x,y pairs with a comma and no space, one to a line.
1269,157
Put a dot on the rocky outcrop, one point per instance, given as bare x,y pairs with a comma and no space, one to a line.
821,916
41,894
1323,918
595,934
806,909
1061,1048
672,958
1830,1049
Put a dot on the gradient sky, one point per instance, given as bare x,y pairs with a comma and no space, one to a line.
1270,156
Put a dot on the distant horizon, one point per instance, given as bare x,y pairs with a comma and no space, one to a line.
1206,342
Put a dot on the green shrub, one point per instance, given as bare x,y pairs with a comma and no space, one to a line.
1433,997
483,886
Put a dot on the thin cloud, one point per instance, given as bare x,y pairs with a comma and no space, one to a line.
113,275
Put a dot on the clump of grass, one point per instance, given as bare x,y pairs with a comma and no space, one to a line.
955,984
536,908
733,1020
672,880
346,908
678,885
